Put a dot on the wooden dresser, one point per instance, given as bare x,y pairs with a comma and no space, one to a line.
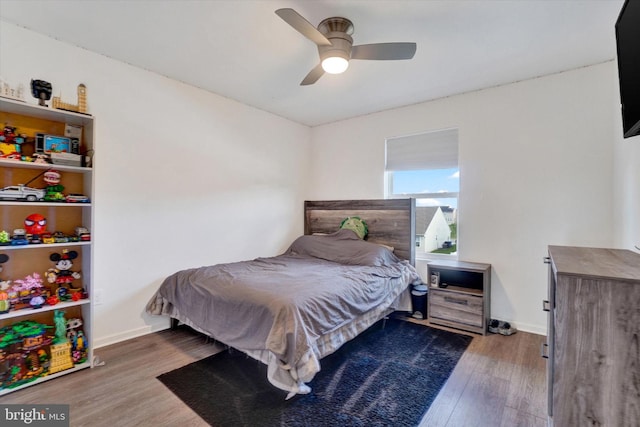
593,340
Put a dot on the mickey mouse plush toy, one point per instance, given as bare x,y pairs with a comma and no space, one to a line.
62,275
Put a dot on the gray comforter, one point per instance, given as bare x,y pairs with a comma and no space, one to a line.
284,304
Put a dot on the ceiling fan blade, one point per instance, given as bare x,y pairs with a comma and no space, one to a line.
313,76
303,26
384,51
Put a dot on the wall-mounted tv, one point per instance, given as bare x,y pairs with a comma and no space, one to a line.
628,45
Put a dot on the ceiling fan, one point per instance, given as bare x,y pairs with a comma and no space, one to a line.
335,44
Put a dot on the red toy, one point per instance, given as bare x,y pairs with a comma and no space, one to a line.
51,177
10,142
35,224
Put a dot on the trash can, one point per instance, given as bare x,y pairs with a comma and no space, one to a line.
419,295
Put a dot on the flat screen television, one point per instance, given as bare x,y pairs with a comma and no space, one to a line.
628,46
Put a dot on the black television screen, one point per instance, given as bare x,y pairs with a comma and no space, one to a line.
628,45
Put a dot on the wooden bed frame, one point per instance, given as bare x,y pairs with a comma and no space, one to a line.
391,222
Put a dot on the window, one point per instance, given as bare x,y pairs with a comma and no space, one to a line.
425,167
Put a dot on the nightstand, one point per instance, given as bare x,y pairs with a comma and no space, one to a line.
460,295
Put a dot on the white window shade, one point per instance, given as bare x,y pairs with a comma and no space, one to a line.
432,150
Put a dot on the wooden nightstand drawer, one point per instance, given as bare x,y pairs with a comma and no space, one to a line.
456,306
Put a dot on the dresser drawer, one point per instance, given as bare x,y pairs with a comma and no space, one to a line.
456,306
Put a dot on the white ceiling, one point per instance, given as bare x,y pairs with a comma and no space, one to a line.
242,50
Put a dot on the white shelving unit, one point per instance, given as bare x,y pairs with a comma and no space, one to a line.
61,216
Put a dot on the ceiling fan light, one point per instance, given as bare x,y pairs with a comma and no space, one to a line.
335,65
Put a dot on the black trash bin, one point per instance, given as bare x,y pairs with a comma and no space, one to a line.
419,297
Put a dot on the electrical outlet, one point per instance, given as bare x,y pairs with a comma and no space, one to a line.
97,296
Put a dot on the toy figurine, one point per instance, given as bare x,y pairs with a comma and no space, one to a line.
40,158
41,90
61,347
77,340
80,107
37,300
54,188
10,142
62,275
7,91
80,341
61,327
5,240
4,286
35,224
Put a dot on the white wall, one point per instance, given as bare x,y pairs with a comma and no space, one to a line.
627,192
183,177
536,168
626,181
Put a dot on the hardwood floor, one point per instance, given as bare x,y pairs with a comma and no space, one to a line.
499,381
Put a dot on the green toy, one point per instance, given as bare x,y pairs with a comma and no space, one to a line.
355,224
61,327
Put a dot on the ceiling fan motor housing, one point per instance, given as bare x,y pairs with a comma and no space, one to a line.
338,30
340,46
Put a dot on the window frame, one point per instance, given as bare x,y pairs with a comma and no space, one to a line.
408,160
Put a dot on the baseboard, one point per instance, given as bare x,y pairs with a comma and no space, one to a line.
534,329
126,335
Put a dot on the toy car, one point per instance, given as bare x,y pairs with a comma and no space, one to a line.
77,198
34,239
59,237
83,234
47,238
21,192
19,237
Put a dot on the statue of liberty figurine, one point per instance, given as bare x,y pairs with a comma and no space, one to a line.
61,327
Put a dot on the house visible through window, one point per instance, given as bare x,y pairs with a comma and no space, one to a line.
425,167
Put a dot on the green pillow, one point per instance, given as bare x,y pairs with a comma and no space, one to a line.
356,225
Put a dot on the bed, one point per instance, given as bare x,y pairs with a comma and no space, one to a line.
291,310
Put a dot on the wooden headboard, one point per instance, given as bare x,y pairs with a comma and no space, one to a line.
391,222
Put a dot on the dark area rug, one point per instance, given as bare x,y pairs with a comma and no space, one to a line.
384,377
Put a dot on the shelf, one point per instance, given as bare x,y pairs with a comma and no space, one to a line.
43,166
56,204
46,378
29,311
24,260
47,113
43,245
